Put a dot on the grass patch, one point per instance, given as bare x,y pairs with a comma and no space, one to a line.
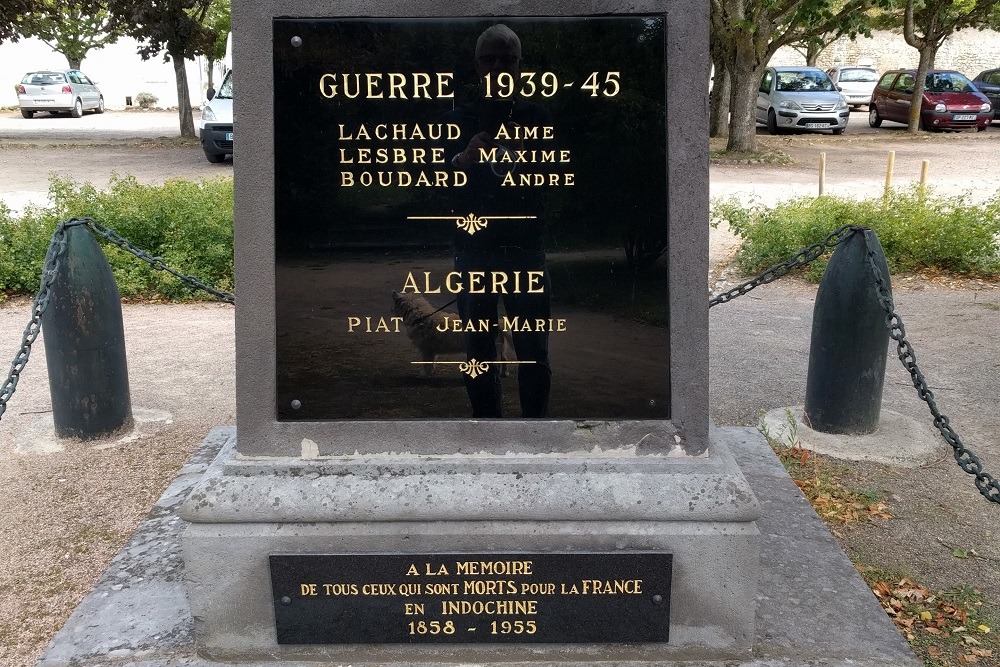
944,628
189,224
918,231
819,480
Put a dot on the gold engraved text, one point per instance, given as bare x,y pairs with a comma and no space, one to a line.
387,85
401,132
478,282
489,607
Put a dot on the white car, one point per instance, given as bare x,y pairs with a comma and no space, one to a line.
800,98
855,83
58,91
216,125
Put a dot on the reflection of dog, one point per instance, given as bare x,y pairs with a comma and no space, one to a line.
424,327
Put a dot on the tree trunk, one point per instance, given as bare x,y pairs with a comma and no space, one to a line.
743,108
211,73
718,110
813,50
74,63
927,55
183,98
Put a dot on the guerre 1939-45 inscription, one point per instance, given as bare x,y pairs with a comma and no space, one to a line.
472,598
471,218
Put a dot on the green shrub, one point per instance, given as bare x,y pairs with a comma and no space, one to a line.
146,100
188,224
917,230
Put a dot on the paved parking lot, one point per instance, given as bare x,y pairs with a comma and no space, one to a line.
108,126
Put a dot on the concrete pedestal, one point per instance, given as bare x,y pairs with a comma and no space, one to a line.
813,609
700,509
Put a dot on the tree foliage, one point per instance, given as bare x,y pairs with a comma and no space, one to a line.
749,33
72,27
12,13
928,23
219,20
174,27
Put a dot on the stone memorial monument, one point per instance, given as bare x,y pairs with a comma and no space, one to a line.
472,344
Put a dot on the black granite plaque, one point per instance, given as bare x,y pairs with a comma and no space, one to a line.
472,598
465,231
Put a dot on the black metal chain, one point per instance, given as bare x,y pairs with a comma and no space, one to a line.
988,485
50,269
156,262
802,258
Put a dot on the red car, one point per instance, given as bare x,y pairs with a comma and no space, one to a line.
951,101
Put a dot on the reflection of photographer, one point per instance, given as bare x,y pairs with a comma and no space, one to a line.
512,241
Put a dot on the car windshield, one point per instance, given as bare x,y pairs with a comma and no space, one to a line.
226,89
861,74
804,81
43,78
947,82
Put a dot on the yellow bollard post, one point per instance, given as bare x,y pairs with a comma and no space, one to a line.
822,173
888,173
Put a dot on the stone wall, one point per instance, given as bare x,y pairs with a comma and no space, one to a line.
968,51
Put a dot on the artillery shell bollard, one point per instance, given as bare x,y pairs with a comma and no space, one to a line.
847,354
85,344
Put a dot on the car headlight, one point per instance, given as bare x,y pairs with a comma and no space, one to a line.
207,114
788,104
940,107
986,107
842,104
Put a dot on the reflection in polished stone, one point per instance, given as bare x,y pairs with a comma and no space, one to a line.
509,173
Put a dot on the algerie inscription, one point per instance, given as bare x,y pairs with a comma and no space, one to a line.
484,598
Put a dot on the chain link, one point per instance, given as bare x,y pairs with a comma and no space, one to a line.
156,262
988,485
804,257
50,269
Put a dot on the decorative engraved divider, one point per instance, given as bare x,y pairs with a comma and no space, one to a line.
471,223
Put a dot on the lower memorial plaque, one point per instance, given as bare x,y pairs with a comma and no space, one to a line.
473,598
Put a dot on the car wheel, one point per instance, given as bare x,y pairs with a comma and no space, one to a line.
100,105
215,158
77,111
839,130
27,114
873,118
772,122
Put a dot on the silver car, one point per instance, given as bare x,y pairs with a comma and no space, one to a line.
800,98
58,91
855,83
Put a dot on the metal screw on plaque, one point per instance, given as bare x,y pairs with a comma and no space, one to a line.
296,404
296,41
286,600
652,402
657,599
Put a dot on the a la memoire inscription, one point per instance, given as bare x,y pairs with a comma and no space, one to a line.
472,598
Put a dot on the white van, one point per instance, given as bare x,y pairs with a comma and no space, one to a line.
216,125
